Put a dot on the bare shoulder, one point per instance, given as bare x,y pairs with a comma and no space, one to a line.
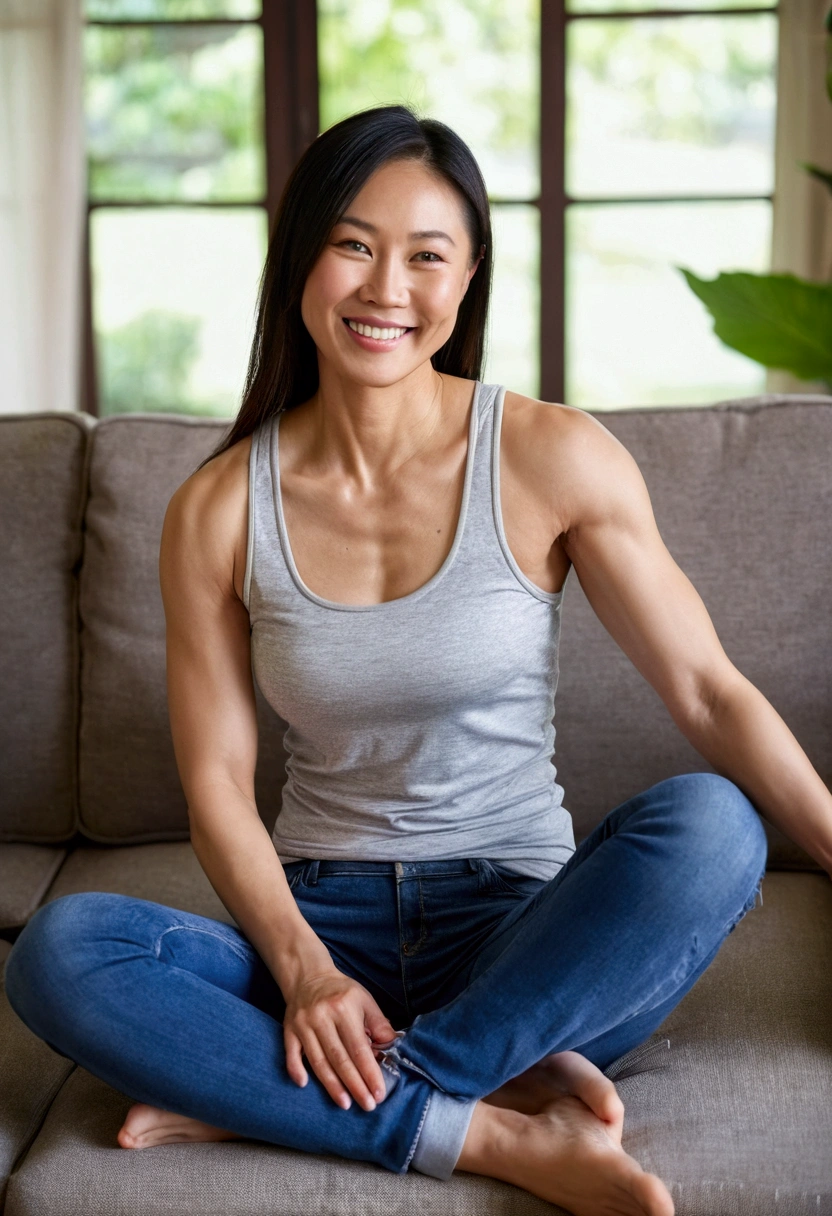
567,458
206,523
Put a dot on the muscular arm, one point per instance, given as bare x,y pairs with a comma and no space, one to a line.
655,615
214,726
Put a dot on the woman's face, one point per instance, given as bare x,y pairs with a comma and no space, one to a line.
383,295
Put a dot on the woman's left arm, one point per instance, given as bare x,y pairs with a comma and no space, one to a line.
656,616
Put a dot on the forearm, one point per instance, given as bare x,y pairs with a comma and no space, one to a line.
746,740
235,851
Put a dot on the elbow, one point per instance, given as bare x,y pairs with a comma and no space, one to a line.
700,702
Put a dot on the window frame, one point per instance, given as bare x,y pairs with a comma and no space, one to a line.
291,122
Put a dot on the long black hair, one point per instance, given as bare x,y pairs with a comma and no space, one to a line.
283,365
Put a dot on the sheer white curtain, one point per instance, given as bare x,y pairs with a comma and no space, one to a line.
42,201
802,235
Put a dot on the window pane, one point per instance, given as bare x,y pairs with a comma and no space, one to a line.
461,61
636,334
174,293
620,6
513,344
676,106
176,113
169,10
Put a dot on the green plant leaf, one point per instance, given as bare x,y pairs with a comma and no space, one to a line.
778,320
820,174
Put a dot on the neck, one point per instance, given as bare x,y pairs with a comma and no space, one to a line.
368,431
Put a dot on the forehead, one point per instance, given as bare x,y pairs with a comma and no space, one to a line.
407,194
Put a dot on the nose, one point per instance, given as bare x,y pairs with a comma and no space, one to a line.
386,284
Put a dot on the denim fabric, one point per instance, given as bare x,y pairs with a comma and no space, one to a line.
483,972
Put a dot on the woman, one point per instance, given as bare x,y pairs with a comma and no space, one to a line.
427,973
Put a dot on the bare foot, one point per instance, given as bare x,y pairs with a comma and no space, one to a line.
147,1125
565,1154
564,1072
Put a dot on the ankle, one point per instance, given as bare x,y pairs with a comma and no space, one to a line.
487,1144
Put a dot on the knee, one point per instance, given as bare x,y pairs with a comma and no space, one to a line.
45,959
718,823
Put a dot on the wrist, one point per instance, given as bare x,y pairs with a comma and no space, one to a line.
298,960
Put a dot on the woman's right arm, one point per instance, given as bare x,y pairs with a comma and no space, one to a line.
214,727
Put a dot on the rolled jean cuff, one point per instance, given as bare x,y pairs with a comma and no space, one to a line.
443,1132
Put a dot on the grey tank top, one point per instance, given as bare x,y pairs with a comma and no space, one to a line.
419,728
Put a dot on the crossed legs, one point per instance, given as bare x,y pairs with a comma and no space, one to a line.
502,1079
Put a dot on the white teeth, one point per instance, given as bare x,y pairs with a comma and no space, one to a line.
373,331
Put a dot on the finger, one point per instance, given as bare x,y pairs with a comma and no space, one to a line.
294,1059
378,1027
323,1070
362,1056
341,1060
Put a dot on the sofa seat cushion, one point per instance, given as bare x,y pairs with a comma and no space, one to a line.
734,1115
168,873
26,870
31,1074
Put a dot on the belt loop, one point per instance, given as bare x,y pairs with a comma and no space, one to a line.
487,877
310,874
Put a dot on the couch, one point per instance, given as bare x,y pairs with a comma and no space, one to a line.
730,1103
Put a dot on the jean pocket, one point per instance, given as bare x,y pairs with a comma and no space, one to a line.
503,878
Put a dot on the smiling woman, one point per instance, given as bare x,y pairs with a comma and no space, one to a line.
323,229
427,973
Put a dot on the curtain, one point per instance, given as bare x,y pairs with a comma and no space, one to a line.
802,232
42,204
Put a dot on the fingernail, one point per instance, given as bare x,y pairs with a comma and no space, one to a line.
346,1102
380,1095
370,1104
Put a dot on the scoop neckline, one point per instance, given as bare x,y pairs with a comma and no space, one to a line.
411,596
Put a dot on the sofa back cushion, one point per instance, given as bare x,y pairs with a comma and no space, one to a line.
129,784
743,498
42,475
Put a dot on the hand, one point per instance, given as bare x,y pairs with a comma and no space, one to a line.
334,1021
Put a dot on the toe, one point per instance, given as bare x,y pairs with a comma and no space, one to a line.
652,1195
587,1082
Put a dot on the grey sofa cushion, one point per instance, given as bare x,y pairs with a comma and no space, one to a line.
26,870
743,497
30,1075
129,785
76,1168
42,488
734,1115
167,873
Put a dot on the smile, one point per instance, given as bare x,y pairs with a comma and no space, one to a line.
374,337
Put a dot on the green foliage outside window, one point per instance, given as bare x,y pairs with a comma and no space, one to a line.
779,320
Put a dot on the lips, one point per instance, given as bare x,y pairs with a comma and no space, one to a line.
367,342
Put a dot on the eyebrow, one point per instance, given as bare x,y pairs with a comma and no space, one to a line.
414,236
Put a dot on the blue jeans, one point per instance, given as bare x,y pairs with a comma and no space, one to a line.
484,970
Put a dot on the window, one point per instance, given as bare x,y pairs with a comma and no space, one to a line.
617,142
190,139
669,161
